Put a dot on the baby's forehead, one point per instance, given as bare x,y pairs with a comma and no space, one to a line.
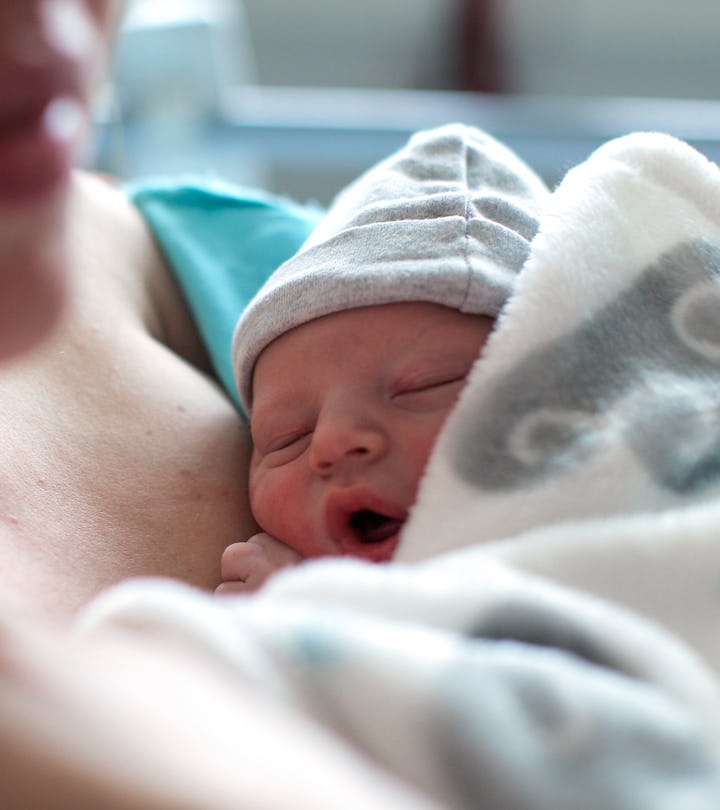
365,325
393,314
388,337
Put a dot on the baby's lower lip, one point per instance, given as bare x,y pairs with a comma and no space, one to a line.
374,552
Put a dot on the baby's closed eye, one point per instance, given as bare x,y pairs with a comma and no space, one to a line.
429,394
281,448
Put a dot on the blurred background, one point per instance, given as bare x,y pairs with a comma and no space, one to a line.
299,96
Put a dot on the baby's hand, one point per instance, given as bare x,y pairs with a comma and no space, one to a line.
245,566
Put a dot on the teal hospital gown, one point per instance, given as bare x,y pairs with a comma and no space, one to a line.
221,241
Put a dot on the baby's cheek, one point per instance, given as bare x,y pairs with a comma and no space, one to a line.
422,449
275,503
263,495
285,508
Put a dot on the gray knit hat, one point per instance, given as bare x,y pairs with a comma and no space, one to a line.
447,219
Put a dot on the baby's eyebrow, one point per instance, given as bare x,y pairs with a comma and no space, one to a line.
277,400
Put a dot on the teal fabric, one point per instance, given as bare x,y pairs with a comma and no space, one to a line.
222,242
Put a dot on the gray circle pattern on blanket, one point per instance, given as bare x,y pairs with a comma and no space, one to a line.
543,432
695,317
657,344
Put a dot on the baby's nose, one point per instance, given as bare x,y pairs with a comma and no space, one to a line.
336,443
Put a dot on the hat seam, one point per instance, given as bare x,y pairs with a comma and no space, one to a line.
466,240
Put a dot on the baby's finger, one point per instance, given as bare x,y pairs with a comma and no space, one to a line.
232,588
235,559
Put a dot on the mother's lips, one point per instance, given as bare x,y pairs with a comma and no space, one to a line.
18,122
37,145
42,117
364,524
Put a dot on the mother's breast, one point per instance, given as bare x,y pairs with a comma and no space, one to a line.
116,459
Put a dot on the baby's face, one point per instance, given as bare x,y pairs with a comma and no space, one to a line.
346,411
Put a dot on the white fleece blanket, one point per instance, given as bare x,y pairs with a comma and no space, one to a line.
547,638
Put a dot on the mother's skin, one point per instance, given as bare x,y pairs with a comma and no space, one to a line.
119,455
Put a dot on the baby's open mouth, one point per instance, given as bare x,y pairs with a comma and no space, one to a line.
363,524
373,527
